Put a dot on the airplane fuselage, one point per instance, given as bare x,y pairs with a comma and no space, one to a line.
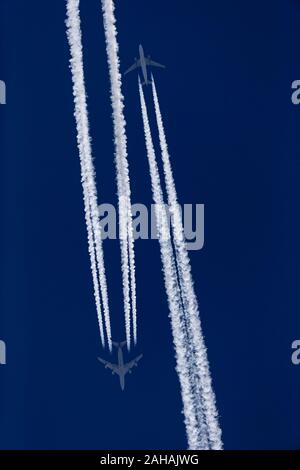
143,64
120,357
121,366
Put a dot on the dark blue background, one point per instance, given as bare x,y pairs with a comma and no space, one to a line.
233,136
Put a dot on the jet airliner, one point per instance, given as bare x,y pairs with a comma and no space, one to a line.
121,369
143,62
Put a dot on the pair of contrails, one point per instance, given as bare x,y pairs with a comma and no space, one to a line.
143,62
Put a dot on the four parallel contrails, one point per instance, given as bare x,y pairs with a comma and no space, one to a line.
199,407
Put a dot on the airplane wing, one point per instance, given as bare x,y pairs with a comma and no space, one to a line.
132,363
109,365
133,67
154,64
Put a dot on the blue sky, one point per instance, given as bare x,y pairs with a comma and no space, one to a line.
233,137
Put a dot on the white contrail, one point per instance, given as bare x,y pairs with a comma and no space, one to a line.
123,183
187,289
93,264
87,169
197,438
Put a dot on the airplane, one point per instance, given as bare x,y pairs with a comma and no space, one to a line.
121,369
143,62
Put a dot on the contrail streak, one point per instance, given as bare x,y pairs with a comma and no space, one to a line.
92,253
187,289
87,169
123,183
196,434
